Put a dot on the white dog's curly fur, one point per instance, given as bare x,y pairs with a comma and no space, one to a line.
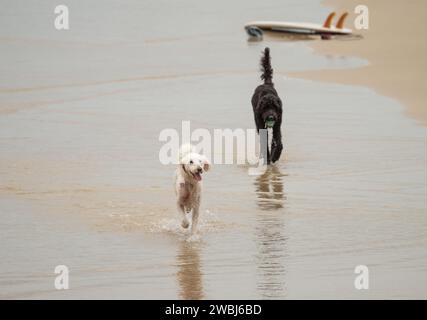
188,185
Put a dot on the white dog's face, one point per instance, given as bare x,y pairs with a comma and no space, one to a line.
195,164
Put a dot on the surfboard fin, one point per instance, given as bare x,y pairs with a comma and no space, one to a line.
340,23
328,21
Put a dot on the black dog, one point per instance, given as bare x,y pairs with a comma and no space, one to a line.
267,108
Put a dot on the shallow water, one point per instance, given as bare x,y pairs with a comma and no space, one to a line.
81,183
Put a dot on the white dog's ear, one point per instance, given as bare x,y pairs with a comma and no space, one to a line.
206,164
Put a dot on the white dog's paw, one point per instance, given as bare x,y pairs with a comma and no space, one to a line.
185,223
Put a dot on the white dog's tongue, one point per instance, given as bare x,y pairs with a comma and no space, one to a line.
198,176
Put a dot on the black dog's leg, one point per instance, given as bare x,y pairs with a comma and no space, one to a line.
276,145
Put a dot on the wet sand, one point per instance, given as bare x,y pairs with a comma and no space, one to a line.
394,47
81,183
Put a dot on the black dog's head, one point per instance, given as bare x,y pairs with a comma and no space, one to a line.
270,110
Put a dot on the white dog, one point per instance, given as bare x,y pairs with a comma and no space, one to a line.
188,185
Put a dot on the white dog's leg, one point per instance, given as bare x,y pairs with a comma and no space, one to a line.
185,223
195,219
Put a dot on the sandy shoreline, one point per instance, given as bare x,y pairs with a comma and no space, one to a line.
394,47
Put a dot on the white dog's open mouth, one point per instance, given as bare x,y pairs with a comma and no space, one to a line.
197,176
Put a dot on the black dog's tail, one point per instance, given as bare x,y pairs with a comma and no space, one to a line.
267,71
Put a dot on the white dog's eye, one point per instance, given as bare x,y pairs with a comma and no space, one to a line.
191,161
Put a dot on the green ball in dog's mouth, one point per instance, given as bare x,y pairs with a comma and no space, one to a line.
269,122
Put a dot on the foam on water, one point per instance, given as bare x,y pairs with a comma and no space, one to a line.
209,222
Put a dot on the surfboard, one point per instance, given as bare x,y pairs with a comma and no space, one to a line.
302,27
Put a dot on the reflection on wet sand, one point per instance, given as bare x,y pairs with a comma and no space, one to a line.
269,189
189,273
270,234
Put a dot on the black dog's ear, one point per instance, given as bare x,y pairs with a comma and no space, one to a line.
258,122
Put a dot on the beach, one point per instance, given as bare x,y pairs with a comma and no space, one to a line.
393,46
81,183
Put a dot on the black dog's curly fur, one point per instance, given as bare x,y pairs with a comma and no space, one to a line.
266,103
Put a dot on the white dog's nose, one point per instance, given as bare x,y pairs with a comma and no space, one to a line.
199,170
